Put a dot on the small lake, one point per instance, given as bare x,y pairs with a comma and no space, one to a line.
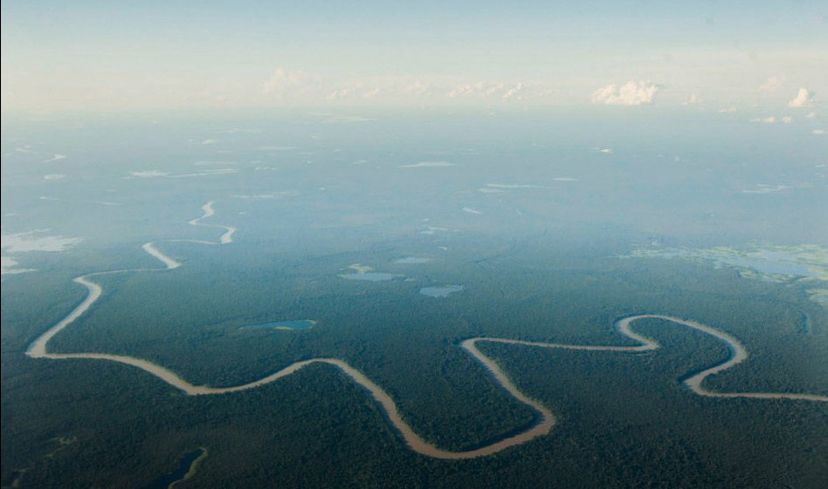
180,473
371,276
790,263
771,262
296,324
412,260
441,291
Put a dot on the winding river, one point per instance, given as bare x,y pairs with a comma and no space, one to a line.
545,420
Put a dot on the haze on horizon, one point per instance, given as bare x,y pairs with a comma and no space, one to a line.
115,56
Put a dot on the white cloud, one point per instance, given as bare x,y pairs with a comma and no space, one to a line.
772,84
348,92
804,98
472,210
283,80
417,87
693,99
473,89
811,115
515,92
818,132
54,176
631,93
483,89
771,119
727,110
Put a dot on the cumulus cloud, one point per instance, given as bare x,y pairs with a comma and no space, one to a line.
765,120
804,98
631,93
772,84
395,88
515,92
286,85
282,80
490,90
418,87
773,119
352,91
693,99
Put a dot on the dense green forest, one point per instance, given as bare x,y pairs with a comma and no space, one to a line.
625,420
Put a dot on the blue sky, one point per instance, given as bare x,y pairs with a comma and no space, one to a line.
101,55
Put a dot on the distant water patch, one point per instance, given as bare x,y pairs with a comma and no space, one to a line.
762,188
808,262
36,241
441,291
371,276
187,467
9,266
295,324
428,164
772,262
366,273
412,260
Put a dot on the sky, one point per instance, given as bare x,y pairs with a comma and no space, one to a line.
140,55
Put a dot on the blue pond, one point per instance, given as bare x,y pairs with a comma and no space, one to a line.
441,291
371,276
296,324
